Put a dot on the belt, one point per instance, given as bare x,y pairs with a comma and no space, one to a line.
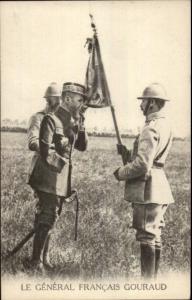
158,165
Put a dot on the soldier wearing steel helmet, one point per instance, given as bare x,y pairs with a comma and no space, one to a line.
52,96
146,185
60,132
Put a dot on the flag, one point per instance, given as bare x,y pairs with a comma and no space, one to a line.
95,82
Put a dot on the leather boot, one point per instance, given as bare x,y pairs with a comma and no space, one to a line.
38,246
46,258
157,259
147,261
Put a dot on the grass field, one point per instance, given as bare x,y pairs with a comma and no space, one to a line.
106,245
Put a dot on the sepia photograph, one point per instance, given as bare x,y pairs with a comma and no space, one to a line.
95,149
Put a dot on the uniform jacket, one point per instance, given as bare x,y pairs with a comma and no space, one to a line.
33,136
145,178
51,167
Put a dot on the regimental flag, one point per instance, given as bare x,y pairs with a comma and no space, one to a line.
96,82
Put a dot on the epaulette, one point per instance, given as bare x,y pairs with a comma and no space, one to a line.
41,112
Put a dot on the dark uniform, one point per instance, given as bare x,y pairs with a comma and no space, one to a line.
49,173
49,177
33,136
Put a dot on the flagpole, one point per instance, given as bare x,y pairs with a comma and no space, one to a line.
115,124
111,106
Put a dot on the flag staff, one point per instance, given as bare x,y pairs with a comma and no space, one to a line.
111,106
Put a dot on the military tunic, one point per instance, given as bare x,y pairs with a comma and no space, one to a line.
46,205
50,166
145,178
33,129
50,172
146,185
33,136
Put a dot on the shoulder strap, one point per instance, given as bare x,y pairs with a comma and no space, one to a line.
162,152
41,112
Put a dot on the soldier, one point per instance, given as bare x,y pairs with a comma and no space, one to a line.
52,96
146,185
60,132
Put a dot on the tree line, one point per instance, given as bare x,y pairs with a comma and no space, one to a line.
90,133
93,133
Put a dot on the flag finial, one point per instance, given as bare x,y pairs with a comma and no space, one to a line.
93,24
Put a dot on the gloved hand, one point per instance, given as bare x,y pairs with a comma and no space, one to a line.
124,152
121,149
34,146
82,116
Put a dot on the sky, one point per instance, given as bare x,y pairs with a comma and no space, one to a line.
141,42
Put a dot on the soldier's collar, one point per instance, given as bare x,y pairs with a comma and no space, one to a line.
155,115
48,109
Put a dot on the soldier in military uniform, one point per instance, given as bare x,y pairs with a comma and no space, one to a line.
52,96
146,185
60,132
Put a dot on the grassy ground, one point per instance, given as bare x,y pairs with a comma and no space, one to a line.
106,246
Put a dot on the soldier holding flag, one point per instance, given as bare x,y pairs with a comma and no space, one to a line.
146,185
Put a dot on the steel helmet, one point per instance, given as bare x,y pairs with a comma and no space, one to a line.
53,90
154,91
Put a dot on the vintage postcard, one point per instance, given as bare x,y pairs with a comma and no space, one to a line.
95,150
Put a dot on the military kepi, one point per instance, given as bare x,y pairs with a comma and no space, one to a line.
74,88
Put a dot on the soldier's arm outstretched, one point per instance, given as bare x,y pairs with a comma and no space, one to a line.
143,161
